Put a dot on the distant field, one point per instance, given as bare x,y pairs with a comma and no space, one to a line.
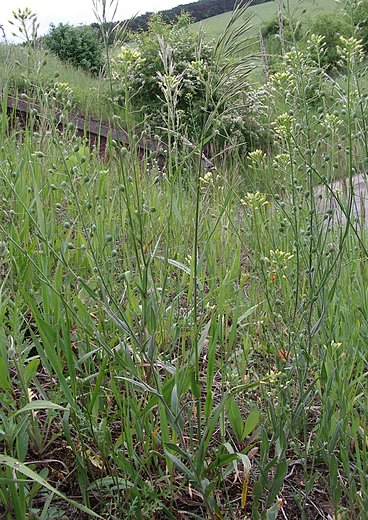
264,13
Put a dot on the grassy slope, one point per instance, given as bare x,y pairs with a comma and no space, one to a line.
16,71
264,13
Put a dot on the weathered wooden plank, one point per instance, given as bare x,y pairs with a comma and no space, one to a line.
89,126
97,131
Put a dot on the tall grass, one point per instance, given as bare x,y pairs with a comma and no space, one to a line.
188,343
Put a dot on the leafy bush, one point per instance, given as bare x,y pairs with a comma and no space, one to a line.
270,28
360,20
271,37
331,27
170,60
79,46
145,65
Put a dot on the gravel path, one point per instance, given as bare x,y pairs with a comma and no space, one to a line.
341,189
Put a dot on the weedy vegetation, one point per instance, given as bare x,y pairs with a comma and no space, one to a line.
177,341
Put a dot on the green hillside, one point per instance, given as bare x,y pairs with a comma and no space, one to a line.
45,69
264,13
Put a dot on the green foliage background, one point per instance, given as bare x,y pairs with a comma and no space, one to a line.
79,46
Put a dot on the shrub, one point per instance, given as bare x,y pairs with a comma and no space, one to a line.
171,57
146,64
79,46
270,28
360,20
331,27
271,36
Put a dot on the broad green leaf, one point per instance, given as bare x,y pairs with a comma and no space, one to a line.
178,450
112,483
251,423
30,370
248,313
235,418
210,373
278,479
272,513
5,383
195,386
181,467
223,460
139,384
211,425
201,342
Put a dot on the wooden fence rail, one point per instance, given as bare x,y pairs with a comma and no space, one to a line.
95,131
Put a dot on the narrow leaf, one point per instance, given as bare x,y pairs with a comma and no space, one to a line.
27,472
39,405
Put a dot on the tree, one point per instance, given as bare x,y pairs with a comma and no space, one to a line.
79,46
